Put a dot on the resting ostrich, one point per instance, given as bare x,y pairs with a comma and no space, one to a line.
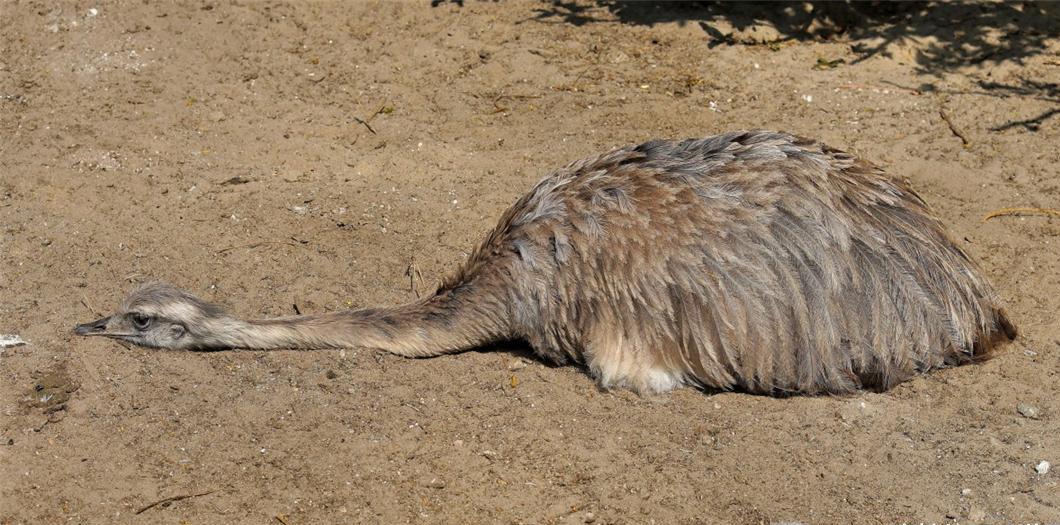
753,260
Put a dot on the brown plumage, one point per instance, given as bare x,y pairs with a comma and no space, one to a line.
757,261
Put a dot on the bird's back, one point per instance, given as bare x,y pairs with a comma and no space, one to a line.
751,260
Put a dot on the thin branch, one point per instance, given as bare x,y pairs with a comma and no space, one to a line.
90,307
368,121
171,499
413,273
953,127
254,245
366,124
1045,212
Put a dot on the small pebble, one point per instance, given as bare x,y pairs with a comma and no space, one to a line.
435,483
331,374
10,340
966,492
1042,468
1028,411
516,364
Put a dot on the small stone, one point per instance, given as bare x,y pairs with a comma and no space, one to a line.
216,116
1042,468
855,410
435,483
1028,411
235,180
9,340
966,492
458,443
516,364
330,374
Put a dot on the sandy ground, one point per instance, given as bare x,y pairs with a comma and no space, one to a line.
269,155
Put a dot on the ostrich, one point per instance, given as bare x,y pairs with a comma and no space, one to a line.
755,260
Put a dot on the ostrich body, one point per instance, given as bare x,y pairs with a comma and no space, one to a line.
757,261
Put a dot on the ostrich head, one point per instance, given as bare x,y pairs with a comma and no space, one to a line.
158,315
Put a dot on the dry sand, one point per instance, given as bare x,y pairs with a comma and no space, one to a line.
267,155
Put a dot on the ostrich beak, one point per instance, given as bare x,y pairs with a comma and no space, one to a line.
98,327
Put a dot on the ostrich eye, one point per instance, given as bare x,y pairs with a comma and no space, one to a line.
140,321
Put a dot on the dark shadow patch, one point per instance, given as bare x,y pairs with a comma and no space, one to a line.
963,33
519,348
50,392
1032,124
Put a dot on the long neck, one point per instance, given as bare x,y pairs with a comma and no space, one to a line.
454,319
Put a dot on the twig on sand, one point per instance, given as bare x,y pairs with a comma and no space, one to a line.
953,127
254,245
171,499
413,273
1046,212
367,122
498,108
90,308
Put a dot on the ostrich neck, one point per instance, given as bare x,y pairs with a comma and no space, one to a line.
447,322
